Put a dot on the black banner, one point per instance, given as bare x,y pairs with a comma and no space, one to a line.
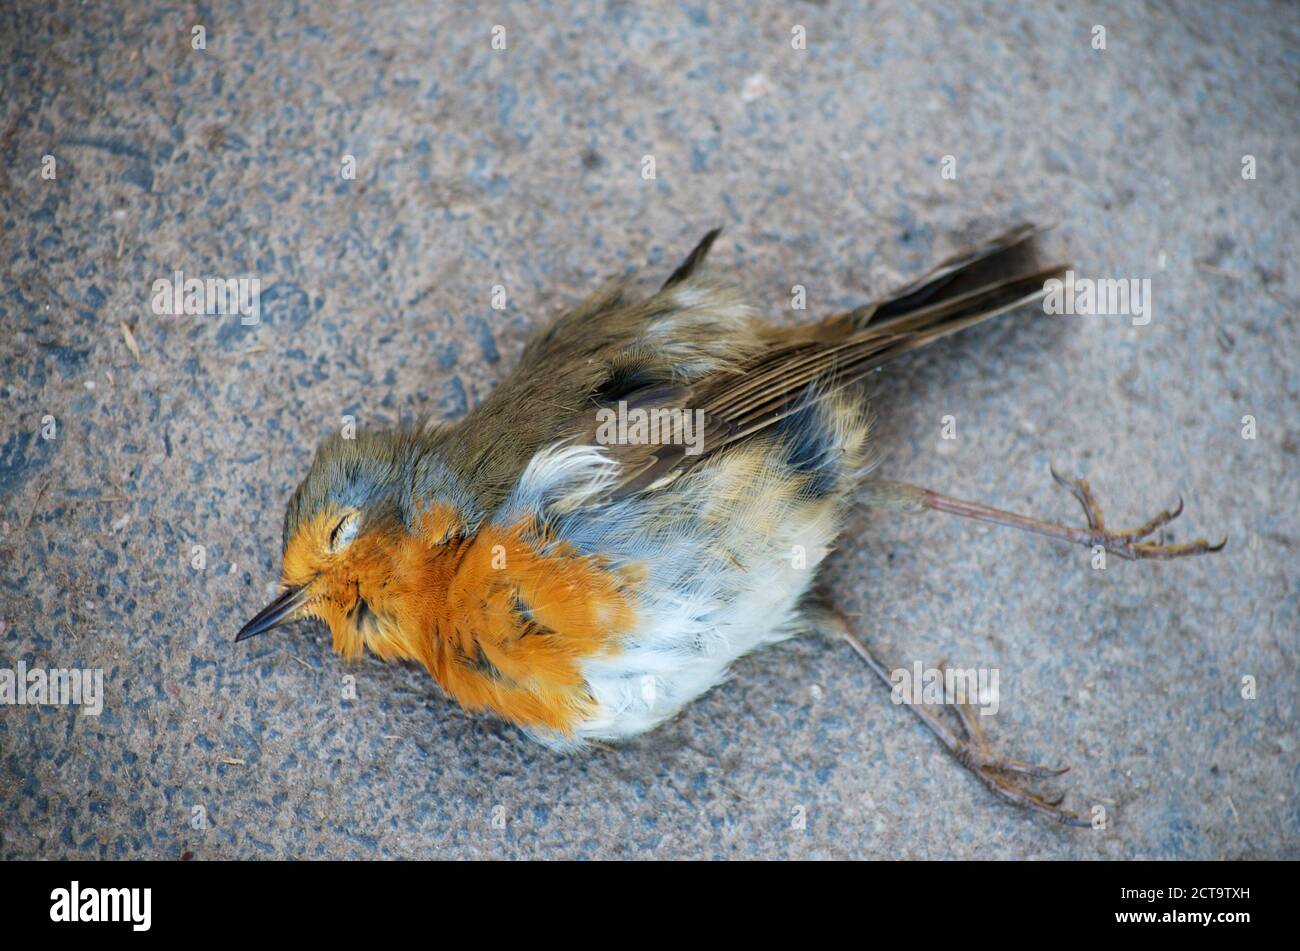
913,900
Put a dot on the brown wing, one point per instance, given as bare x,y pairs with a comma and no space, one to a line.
613,346
838,352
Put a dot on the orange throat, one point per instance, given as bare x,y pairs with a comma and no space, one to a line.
502,619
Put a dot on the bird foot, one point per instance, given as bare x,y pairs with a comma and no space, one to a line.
999,774
1128,543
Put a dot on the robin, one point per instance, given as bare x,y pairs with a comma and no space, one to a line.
644,500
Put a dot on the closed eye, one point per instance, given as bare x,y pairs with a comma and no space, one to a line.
344,532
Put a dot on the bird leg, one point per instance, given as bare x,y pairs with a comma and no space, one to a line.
1126,543
971,749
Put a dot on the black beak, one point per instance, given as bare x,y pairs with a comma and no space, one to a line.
275,613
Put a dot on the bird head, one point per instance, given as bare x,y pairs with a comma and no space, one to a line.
366,509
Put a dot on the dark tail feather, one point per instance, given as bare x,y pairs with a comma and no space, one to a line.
840,351
963,291
963,282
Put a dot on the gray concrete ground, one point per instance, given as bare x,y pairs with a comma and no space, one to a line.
522,167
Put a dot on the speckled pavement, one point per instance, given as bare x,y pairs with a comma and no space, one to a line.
524,167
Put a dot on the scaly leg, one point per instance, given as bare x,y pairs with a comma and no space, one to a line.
1127,543
971,749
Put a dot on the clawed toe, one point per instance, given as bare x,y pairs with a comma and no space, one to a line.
1028,769
1159,552
1149,527
1018,795
1128,544
992,771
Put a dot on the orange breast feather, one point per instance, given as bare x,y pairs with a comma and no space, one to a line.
502,626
